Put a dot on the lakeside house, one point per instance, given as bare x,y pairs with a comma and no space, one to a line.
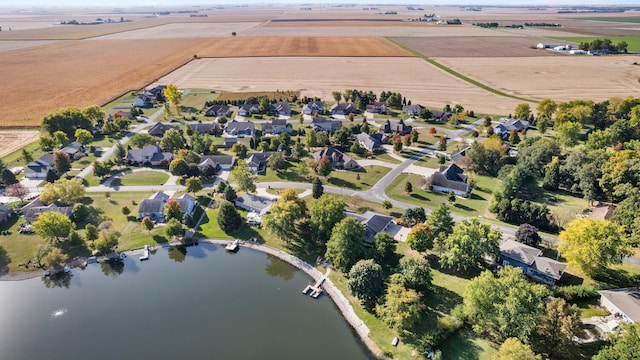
338,159
450,178
624,303
374,223
254,203
148,154
153,207
32,210
531,262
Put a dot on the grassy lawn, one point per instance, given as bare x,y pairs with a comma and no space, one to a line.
425,139
429,162
141,178
465,345
85,161
195,99
386,158
295,172
123,103
105,141
15,158
368,176
20,248
477,205
633,41
276,191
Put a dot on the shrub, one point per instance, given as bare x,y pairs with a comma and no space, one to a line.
576,292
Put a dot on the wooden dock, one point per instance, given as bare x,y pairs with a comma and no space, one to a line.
145,254
314,290
234,246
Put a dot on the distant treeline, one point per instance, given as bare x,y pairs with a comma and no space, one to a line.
604,46
490,25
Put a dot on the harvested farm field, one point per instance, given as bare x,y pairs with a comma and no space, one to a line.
14,140
184,30
413,77
472,46
561,78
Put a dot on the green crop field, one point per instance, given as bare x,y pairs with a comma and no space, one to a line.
634,20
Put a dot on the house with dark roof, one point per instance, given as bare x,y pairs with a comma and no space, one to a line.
121,114
224,161
257,161
413,110
450,178
506,125
75,150
374,223
281,108
624,303
144,100
210,128
370,142
531,261
378,107
254,203
240,128
218,110
396,127
149,154
248,109
158,129
343,109
324,124
338,159
276,126
5,212
440,116
187,205
38,168
228,142
153,207
313,107
32,210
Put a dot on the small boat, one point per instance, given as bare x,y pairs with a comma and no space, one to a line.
66,269
123,255
47,272
234,246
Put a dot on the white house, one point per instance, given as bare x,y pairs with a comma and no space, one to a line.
624,303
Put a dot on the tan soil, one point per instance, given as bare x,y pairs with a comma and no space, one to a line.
13,140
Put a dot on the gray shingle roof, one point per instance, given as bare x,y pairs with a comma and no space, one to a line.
205,128
520,252
159,129
451,177
626,300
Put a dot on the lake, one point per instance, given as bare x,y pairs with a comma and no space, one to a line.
188,303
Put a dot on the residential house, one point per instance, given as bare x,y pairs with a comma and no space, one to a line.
313,107
281,108
32,210
153,207
531,261
248,109
505,126
374,223
218,111
75,150
343,109
254,203
378,107
276,126
187,205
370,142
240,128
149,154
224,161
158,129
602,212
324,124
38,168
337,158
624,303
144,100
210,128
5,212
440,116
121,114
450,178
229,142
257,161
413,110
396,127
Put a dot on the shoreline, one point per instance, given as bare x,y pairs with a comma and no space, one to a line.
340,301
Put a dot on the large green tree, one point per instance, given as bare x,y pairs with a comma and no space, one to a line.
420,238
61,162
106,243
416,273
139,140
172,141
64,191
402,308
593,244
345,247
66,120
366,282
317,189
325,213
514,349
284,213
625,344
53,225
83,136
470,244
504,306
228,218
557,327
243,177
384,249
174,228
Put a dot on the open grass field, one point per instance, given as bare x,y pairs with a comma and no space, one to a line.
633,41
561,78
14,140
410,76
475,46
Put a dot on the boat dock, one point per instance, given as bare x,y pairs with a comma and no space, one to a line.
314,290
234,246
145,254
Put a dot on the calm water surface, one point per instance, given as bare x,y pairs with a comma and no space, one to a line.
199,302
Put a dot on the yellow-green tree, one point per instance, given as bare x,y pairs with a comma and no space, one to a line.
53,225
522,111
513,349
593,244
55,257
64,191
284,213
402,308
173,96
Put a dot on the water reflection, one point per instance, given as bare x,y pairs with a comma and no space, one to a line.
278,268
60,280
177,253
112,268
